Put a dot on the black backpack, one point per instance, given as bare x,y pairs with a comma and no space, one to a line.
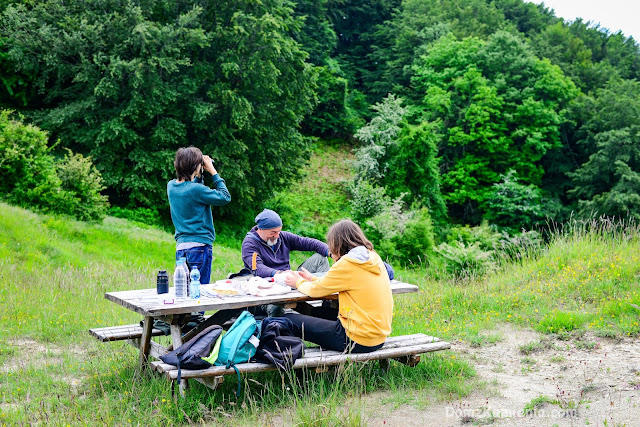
189,355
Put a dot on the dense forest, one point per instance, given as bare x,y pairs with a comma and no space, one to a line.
464,112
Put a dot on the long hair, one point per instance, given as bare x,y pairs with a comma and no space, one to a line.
187,161
345,235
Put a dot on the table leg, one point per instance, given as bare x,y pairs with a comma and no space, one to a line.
145,343
176,339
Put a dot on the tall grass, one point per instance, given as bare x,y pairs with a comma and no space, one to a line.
54,273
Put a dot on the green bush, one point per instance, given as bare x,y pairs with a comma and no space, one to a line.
82,184
416,243
512,205
30,177
27,171
143,215
484,235
464,260
367,200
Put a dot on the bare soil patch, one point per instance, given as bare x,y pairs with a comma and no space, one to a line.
585,380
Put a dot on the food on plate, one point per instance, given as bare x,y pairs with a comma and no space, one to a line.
223,287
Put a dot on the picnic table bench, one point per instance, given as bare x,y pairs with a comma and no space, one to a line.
406,349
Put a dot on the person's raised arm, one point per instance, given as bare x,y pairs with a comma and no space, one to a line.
218,197
306,244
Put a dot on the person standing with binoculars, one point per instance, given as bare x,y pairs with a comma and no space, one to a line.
190,201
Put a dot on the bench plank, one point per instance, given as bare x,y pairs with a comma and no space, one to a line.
316,362
123,332
395,347
318,352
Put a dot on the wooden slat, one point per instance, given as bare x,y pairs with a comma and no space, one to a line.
161,367
391,342
156,350
123,332
324,360
314,353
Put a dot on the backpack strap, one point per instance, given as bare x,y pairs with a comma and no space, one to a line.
179,370
239,389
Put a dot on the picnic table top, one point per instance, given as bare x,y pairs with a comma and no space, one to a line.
146,301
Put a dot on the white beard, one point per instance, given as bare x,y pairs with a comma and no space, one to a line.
272,242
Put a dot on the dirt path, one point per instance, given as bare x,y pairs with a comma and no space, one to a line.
593,381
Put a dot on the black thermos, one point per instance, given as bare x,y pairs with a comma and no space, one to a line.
162,283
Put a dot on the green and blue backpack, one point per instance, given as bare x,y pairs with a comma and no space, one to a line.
239,344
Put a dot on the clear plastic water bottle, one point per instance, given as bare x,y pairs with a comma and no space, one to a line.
180,280
186,270
195,283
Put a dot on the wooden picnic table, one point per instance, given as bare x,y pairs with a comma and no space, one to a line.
146,303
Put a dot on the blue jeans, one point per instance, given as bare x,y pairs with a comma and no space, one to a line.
200,257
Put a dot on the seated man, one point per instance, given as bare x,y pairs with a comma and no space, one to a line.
273,247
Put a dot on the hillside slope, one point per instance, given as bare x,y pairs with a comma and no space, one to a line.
311,205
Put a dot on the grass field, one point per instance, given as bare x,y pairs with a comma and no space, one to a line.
55,271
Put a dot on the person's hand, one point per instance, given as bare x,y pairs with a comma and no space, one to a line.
304,273
208,165
292,278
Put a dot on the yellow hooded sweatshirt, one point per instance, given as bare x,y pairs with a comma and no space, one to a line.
364,295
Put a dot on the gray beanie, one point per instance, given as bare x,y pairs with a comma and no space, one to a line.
268,219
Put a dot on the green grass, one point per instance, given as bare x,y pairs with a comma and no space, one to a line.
55,271
536,403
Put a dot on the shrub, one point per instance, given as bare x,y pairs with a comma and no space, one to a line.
367,200
466,260
31,178
27,171
484,235
513,205
82,184
416,242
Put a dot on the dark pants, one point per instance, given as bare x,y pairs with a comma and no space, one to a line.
328,334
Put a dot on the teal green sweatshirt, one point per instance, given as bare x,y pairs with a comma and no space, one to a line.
190,204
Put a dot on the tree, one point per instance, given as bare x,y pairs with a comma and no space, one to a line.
377,137
609,139
353,21
609,183
512,205
412,28
498,108
414,168
130,82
